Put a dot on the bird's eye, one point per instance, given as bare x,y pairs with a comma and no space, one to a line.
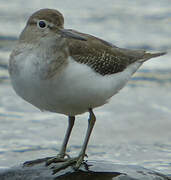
42,24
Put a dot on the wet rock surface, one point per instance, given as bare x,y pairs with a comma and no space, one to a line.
91,170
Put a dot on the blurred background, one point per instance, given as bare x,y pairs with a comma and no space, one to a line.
135,127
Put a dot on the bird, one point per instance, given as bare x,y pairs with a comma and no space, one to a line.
68,72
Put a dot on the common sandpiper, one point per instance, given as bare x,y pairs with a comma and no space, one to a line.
68,72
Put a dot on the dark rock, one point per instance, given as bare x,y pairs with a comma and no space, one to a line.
91,170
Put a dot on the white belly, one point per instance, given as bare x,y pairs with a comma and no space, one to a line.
76,89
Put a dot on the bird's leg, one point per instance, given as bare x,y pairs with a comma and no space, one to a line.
60,157
77,161
67,136
91,122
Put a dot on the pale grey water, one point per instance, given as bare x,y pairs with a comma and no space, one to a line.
135,127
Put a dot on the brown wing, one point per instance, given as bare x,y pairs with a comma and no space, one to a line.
104,57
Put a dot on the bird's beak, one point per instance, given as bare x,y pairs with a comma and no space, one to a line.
69,33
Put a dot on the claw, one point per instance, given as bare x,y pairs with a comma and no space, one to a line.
54,160
37,161
74,162
59,158
64,165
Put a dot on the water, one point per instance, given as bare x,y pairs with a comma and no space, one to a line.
134,128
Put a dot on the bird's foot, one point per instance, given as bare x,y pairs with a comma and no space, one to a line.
59,158
48,160
74,162
37,161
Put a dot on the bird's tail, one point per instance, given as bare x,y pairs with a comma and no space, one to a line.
151,55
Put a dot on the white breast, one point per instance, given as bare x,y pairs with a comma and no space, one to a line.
71,92
25,77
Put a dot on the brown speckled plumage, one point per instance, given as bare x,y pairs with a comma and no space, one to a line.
104,57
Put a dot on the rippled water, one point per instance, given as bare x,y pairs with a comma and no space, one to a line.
134,128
